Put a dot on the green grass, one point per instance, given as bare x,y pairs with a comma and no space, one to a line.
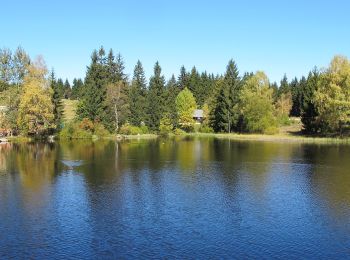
275,138
69,109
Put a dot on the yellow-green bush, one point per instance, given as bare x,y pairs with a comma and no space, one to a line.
128,129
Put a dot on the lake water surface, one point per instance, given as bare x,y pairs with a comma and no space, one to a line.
186,199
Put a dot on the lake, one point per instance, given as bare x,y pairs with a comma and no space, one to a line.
190,198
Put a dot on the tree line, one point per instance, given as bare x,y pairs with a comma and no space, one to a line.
110,101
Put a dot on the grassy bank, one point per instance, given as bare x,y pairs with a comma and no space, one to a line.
275,138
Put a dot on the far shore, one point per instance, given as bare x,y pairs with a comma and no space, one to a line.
285,138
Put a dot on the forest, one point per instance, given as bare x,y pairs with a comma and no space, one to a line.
110,102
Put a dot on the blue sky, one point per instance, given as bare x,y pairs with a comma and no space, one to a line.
274,36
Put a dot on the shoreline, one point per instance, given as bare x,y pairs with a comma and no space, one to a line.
284,138
281,138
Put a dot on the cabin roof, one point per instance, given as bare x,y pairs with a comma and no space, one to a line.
3,108
198,113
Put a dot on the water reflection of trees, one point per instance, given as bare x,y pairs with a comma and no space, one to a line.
330,175
322,169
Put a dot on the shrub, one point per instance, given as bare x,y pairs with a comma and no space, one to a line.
271,130
284,120
74,131
128,129
206,129
87,124
179,131
144,129
165,127
100,130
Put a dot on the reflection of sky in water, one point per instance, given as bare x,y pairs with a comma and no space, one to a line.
200,198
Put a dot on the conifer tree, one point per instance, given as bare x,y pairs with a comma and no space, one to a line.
284,86
296,97
171,92
183,78
67,90
77,89
155,98
233,85
308,109
56,100
93,106
137,96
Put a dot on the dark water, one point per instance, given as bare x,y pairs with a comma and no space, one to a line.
190,198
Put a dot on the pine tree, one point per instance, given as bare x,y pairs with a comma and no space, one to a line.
194,83
225,114
77,89
308,110
296,97
183,78
284,86
67,90
155,98
93,104
219,117
171,92
233,85
115,68
60,87
56,100
137,96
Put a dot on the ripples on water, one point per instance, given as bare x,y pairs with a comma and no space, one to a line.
192,198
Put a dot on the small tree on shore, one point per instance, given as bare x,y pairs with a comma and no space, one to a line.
35,113
185,106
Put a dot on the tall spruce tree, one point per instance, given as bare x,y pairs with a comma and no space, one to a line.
219,116
116,68
296,97
183,78
56,100
233,84
284,86
194,83
155,98
77,89
171,92
226,114
67,90
93,106
137,96
308,109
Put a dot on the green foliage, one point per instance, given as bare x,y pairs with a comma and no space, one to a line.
13,67
93,105
283,108
257,104
100,130
117,103
155,99
165,127
87,124
137,96
35,111
185,107
309,111
128,129
56,100
225,107
35,104
74,131
332,98
171,92
84,129
179,131
206,129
